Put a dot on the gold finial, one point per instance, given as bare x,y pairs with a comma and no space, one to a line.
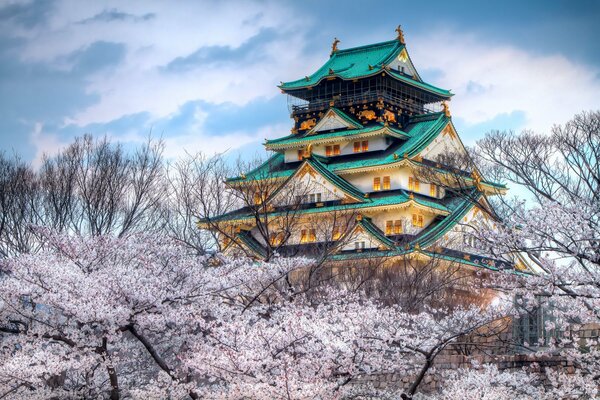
446,108
334,47
400,35
359,217
417,247
396,156
411,196
243,176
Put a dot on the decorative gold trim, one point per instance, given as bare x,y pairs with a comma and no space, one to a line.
446,108
400,36
334,46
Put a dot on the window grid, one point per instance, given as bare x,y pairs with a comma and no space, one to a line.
386,183
377,184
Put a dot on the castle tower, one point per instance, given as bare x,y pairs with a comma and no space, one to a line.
364,125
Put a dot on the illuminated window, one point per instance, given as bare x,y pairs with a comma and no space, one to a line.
328,151
386,183
397,227
417,220
337,233
433,190
257,199
389,227
336,149
312,235
276,238
357,147
303,236
377,183
365,145
413,184
300,154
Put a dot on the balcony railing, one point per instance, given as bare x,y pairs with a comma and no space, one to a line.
298,106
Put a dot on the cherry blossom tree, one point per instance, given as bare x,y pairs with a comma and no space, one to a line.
554,228
145,316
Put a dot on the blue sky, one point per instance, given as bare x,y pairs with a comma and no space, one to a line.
202,75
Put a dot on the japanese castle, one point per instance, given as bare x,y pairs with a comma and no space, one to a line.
363,125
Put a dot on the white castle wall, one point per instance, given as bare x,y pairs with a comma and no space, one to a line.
399,177
346,147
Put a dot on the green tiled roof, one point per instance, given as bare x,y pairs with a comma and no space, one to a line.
435,231
421,131
246,239
334,179
374,231
359,62
395,197
316,137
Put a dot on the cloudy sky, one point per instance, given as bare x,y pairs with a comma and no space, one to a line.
202,75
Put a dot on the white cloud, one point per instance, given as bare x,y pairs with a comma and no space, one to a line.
195,141
174,31
491,80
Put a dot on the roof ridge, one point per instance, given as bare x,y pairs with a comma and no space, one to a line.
335,179
367,46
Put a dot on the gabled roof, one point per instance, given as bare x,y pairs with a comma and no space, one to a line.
340,116
436,230
360,62
373,130
367,225
245,239
340,183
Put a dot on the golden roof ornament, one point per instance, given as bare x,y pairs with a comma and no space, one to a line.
446,108
400,37
334,46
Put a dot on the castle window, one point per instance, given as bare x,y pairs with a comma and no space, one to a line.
359,245
312,235
377,183
257,199
397,227
361,146
389,227
386,183
336,149
328,151
337,233
413,184
300,155
433,190
276,238
314,198
417,220
303,236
